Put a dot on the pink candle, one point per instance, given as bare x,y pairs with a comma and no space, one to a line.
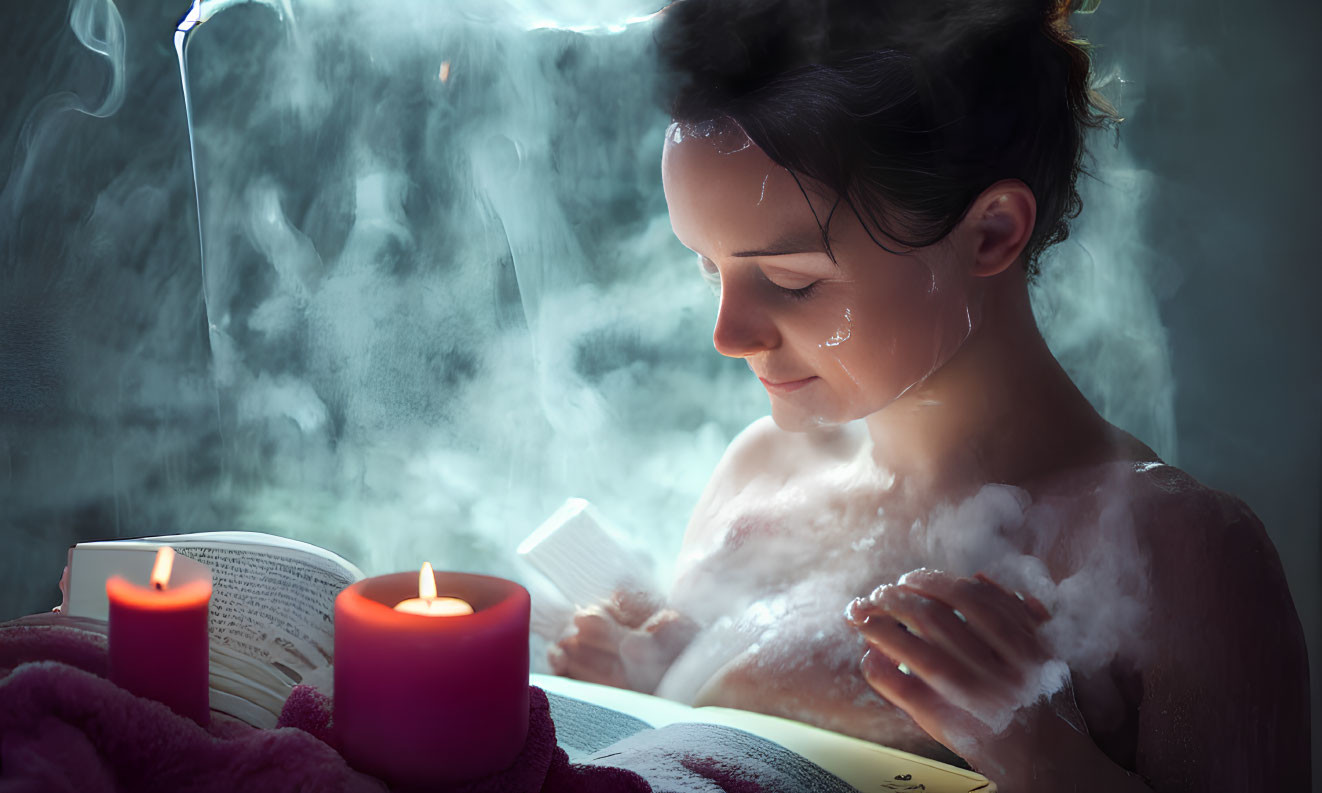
430,696
159,647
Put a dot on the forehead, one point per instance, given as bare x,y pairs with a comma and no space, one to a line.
725,194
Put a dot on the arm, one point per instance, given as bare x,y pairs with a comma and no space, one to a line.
1225,702
1226,695
631,642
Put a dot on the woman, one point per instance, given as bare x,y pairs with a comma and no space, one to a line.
1025,587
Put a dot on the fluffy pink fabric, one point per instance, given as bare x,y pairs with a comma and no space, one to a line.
63,727
75,641
542,766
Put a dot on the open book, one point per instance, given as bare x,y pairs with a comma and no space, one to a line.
272,609
584,561
272,627
596,723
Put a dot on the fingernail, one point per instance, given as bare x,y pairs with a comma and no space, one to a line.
854,611
918,573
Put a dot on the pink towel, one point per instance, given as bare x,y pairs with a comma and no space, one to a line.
542,766
63,727
76,641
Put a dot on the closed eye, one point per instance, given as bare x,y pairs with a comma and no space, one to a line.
800,294
795,285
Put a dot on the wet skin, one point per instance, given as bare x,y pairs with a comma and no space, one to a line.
856,327
955,389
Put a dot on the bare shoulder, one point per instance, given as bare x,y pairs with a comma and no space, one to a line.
1193,529
764,450
1225,654
1203,546
763,455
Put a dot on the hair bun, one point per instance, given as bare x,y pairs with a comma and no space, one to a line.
733,46
906,109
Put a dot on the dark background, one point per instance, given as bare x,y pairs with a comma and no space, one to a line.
1227,120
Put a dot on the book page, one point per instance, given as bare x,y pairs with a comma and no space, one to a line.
274,603
865,765
583,728
691,756
271,606
272,543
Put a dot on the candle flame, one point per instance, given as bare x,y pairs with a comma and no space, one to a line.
426,582
160,572
445,71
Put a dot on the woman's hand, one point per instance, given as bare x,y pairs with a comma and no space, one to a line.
627,643
975,675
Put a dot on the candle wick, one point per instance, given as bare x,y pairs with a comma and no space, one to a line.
159,586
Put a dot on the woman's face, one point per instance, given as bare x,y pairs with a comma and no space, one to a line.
830,341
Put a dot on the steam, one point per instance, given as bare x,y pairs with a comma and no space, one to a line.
433,308
1096,305
770,602
427,330
99,28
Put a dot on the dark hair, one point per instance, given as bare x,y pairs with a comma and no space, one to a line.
906,109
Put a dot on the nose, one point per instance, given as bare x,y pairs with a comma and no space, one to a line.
743,327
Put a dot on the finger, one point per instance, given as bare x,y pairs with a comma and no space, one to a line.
939,624
906,691
595,629
583,662
924,704
1008,630
631,608
556,659
1034,606
935,666
671,632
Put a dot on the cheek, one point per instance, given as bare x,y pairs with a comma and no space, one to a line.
895,333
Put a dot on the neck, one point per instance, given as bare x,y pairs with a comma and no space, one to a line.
1000,410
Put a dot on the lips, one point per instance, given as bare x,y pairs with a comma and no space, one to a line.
786,386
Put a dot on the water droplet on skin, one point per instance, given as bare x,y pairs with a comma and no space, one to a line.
842,335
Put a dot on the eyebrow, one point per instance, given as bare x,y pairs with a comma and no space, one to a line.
789,243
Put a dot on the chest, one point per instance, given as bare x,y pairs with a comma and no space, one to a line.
783,561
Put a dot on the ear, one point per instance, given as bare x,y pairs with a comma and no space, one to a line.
999,223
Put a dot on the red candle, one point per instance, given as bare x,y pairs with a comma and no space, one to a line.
159,647
427,695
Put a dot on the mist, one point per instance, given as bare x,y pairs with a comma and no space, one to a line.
434,292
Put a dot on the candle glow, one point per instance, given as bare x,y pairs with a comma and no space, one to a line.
427,604
423,703
160,571
158,645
